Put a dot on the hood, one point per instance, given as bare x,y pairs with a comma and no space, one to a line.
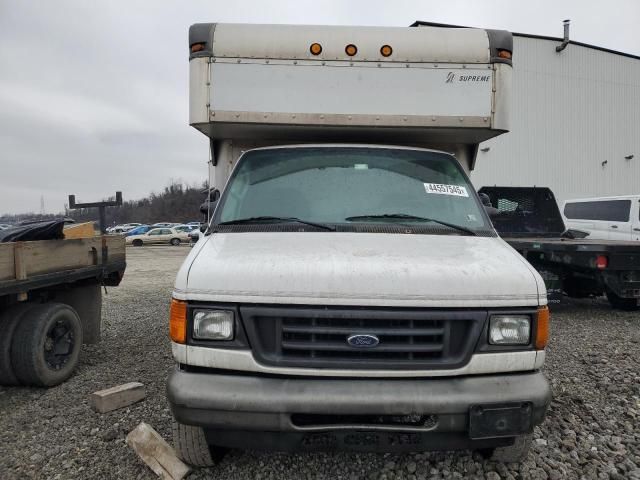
369,269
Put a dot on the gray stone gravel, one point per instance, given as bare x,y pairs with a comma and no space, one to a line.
592,429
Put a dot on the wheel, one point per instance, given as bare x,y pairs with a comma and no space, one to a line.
137,243
191,446
9,320
46,345
513,453
175,242
628,304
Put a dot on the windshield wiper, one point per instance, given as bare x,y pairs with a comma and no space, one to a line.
240,221
405,216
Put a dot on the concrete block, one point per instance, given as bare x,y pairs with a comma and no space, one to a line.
117,397
156,453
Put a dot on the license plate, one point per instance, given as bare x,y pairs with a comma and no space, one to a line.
495,421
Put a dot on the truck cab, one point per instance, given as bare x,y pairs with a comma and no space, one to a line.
350,291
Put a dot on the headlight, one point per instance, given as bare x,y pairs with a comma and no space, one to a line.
213,324
509,330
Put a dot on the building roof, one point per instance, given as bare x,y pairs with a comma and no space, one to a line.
420,23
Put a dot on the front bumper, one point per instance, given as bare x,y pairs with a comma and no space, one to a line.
265,412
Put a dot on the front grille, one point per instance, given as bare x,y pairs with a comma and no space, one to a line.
317,337
325,337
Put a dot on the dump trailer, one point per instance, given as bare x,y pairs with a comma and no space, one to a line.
51,303
350,292
570,262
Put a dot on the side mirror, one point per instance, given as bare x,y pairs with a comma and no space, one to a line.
209,205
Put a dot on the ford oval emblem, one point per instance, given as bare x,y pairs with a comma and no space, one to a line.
363,341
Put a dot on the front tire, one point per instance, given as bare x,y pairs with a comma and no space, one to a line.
137,243
46,345
191,446
515,453
9,320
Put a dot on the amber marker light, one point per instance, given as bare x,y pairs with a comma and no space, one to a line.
542,328
315,49
178,321
506,54
351,49
197,47
386,50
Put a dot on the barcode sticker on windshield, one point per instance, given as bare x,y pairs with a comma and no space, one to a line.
443,189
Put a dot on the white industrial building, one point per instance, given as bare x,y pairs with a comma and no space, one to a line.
575,121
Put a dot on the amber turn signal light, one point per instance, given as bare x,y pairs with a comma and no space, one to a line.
351,49
315,49
197,47
386,50
506,54
178,321
542,328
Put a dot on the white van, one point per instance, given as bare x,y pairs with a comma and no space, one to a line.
612,218
350,291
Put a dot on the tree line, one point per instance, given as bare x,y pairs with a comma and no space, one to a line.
176,203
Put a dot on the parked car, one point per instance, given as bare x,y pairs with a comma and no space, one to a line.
158,235
605,218
123,228
186,228
164,225
138,230
194,236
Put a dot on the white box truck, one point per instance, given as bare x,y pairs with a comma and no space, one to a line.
350,291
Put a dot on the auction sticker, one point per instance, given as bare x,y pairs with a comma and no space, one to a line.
443,189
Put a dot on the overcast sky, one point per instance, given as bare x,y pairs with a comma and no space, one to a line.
93,95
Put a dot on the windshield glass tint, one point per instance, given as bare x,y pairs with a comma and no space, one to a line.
332,184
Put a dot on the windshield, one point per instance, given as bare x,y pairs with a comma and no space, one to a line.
350,185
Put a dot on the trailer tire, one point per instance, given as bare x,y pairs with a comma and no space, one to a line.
191,446
620,303
9,320
46,345
513,453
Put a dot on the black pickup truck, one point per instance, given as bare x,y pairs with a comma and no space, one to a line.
529,220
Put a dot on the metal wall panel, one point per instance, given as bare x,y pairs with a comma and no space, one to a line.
571,111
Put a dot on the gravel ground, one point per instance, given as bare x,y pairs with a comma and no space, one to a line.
592,429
